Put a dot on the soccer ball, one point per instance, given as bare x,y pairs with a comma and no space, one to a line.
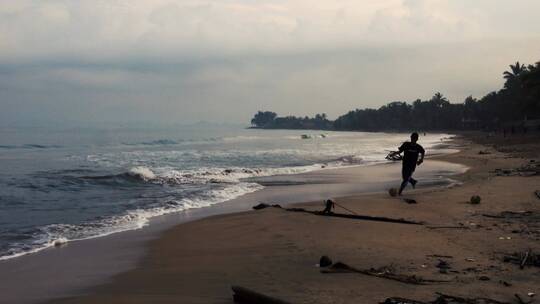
392,192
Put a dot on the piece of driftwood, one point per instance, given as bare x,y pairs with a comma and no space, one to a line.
384,273
358,217
509,214
447,227
440,256
521,301
523,259
341,215
245,296
443,299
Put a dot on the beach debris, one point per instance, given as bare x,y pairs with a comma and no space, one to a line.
263,206
410,201
447,227
443,266
521,301
529,169
531,294
393,192
353,216
506,284
440,256
475,199
325,261
359,217
469,259
444,299
484,278
245,296
328,206
537,193
383,272
509,214
527,258
483,152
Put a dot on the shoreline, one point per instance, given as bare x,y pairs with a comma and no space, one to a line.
274,253
95,261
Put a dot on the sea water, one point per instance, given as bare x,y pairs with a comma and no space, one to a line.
60,185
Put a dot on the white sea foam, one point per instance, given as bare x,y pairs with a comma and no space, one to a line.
143,173
59,234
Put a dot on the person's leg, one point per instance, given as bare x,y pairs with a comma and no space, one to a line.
413,182
406,175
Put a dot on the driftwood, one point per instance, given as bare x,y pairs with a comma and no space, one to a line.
509,214
357,217
245,296
384,273
447,227
444,299
527,258
341,215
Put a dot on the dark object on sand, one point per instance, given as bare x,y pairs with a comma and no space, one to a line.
263,206
384,272
328,206
484,278
447,227
349,216
444,299
475,199
393,192
361,217
325,261
537,193
527,258
245,296
410,201
443,266
483,152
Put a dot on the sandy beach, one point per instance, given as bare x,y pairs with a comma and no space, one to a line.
275,252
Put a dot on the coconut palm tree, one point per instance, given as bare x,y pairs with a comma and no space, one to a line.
515,71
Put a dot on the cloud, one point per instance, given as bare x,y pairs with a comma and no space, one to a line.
113,29
224,59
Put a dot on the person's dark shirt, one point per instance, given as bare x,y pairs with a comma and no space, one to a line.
410,155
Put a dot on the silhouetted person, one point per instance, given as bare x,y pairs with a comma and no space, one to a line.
411,152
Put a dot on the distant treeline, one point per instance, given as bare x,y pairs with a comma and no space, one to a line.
515,105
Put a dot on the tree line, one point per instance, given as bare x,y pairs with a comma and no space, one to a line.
516,102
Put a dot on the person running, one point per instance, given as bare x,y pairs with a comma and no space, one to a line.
411,152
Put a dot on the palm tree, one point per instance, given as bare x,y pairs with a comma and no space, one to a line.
515,71
439,100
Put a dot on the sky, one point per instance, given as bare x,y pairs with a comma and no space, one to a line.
163,61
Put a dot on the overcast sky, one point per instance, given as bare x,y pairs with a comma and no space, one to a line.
169,61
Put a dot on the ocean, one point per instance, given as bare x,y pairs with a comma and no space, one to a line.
59,185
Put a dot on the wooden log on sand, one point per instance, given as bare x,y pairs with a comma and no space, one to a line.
245,296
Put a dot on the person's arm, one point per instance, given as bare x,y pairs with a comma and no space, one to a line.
422,154
400,149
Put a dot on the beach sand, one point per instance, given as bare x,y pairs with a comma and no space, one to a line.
275,252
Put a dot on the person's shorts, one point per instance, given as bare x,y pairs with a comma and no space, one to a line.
407,172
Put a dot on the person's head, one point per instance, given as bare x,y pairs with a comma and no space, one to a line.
414,137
